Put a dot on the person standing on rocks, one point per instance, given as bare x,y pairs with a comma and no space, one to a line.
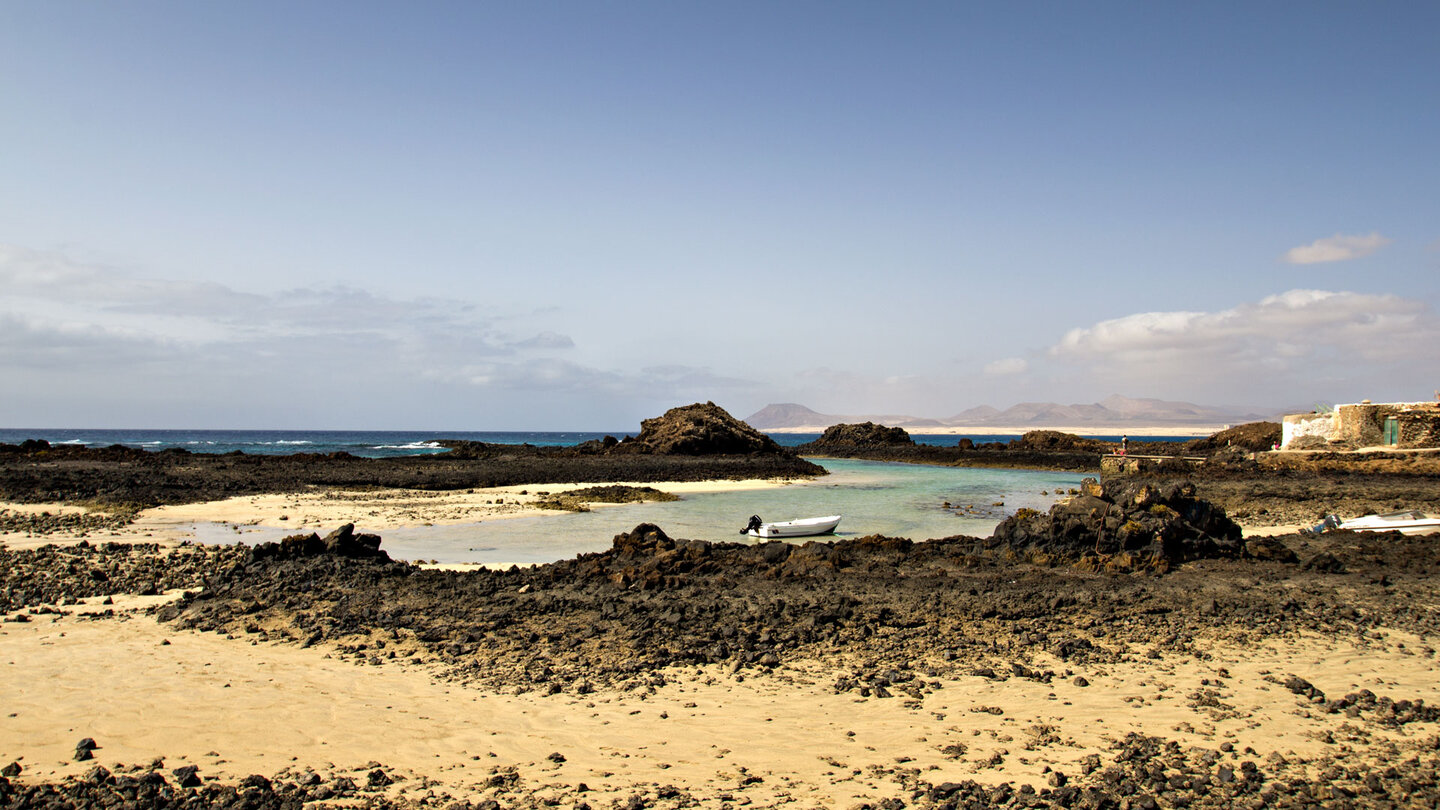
1124,444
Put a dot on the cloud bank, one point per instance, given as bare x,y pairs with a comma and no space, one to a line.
1289,346
69,330
1337,248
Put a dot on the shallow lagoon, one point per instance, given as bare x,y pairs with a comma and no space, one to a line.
898,500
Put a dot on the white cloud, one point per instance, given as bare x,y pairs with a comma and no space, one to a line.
1337,248
1283,342
1007,367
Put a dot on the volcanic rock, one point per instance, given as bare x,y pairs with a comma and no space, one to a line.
1269,548
187,776
864,434
1253,436
694,430
84,748
1133,522
1054,440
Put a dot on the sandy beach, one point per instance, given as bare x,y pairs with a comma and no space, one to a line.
144,691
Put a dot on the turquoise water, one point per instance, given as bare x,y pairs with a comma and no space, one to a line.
897,500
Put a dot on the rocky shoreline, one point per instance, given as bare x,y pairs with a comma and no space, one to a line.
693,443
1036,449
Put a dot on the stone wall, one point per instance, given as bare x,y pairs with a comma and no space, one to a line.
1117,465
1363,425
1419,427
1304,425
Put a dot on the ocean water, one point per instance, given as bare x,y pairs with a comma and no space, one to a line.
386,443
365,443
896,500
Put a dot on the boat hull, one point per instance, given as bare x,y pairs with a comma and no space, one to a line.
1407,523
808,527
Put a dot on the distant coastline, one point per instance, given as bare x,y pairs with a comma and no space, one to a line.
1194,431
1114,416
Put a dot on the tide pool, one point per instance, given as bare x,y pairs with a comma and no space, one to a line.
896,500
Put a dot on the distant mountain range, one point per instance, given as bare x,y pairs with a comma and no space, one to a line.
1114,411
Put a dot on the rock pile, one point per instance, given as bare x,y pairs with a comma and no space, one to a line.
59,575
1056,441
1125,522
343,542
1253,436
79,523
699,429
862,435
148,787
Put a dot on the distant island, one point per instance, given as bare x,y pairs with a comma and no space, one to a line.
1113,414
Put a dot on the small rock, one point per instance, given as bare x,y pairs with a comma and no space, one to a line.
83,749
187,776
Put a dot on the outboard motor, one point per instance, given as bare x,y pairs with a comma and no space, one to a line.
1330,522
754,524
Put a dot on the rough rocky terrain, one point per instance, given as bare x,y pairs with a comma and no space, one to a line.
898,615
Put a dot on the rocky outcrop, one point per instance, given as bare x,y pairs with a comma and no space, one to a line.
1133,522
1054,441
1252,436
343,542
700,429
862,435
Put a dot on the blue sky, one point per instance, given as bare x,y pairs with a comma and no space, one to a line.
575,215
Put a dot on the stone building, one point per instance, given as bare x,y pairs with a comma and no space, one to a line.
1403,425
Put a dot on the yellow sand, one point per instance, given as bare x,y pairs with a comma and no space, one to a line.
235,707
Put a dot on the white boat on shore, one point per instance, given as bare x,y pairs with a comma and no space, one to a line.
1409,522
805,527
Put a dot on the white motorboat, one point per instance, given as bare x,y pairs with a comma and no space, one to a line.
805,527
1409,522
